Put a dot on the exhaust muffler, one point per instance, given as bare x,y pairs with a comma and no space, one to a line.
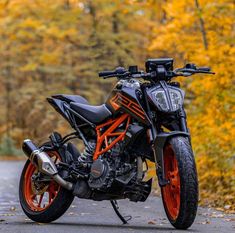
43,162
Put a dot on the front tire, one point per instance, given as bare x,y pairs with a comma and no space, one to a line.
180,196
49,202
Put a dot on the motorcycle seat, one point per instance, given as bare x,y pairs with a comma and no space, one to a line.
94,114
71,98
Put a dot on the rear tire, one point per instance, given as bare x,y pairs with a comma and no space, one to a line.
180,196
57,205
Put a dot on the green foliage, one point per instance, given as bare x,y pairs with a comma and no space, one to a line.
8,148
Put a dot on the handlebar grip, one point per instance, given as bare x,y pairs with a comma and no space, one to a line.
106,73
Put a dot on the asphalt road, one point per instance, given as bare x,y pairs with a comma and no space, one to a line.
98,217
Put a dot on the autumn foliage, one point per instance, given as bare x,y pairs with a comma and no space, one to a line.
58,46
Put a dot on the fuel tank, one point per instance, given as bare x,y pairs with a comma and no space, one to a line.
127,97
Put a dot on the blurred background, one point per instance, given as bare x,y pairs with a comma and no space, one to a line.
58,46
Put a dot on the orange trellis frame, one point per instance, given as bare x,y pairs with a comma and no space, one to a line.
103,138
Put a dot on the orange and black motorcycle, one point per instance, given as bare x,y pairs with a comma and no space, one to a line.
142,119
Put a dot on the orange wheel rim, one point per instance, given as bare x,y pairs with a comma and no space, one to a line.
39,201
171,192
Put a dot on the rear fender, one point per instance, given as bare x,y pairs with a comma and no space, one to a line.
159,144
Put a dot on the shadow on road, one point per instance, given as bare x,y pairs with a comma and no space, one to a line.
144,228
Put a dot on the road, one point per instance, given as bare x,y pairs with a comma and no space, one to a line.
98,217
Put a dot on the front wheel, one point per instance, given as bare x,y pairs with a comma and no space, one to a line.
43,201
180,196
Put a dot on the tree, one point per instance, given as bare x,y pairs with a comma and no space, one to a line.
203,33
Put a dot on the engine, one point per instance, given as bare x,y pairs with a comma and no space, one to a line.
118,173
102,174
109,168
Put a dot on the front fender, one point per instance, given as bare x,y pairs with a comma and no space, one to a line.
159,144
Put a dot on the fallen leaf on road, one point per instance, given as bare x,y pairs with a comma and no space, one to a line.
8,214
219,209
217,215
227,207
207,221
230,219
13,208
85,214
71,213
151,222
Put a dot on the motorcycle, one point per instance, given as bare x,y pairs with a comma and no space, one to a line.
143,119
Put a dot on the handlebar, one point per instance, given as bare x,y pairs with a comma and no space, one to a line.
189,71
106,73
119,71
122,73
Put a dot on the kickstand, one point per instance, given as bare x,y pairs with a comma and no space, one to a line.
116,209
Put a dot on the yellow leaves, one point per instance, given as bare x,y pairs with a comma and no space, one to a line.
29,67
54,31
30,23
211,114
49,58
60,34
71,32
216,182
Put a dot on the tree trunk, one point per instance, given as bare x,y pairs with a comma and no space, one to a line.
115,29
202,25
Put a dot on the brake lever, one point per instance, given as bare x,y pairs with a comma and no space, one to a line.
193,71
205,72
185,74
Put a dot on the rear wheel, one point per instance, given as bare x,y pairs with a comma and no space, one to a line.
180,196
43,201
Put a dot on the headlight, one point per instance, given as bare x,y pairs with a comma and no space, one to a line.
162,100
176,99
167,100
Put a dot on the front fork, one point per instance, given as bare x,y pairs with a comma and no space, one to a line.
158,149
159,140
182,120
